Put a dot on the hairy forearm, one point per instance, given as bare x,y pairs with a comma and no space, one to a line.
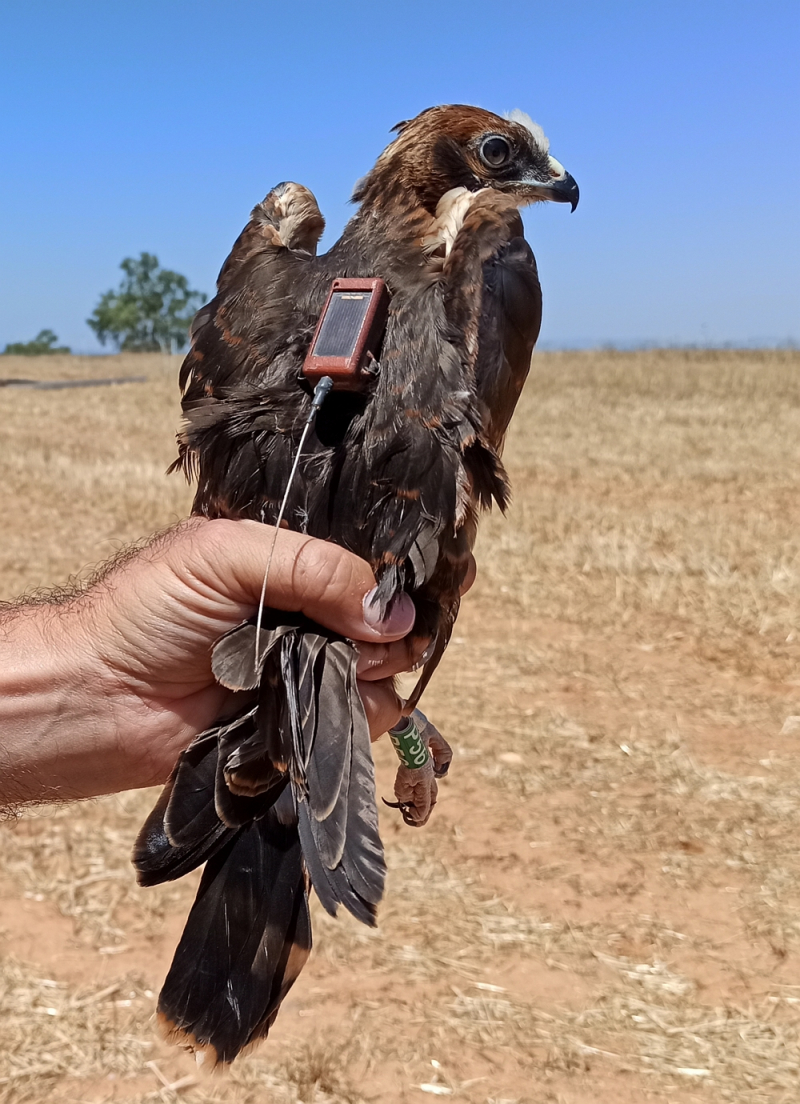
70,726
52,714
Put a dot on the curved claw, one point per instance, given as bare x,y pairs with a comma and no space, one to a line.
416,790
408,811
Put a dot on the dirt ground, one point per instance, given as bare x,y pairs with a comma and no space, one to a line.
606,905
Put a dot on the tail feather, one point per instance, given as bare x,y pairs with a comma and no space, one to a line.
247,770
234,660
342,847
328,767
281,793
169,847
247,938
364,862
187,816
310,668
246,782
333,887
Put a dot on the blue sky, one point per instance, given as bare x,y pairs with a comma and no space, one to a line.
157,125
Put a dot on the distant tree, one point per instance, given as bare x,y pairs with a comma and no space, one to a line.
150,311
43,343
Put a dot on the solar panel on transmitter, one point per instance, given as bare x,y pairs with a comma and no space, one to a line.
342,324
347,340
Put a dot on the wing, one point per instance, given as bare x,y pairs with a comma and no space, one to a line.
495,301
510,322
454,359
404,476
242,407
491,303
239,333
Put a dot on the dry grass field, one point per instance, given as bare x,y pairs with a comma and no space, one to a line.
606,905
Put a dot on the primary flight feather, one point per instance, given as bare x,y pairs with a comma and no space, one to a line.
281,795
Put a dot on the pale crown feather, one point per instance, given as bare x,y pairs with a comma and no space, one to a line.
539,136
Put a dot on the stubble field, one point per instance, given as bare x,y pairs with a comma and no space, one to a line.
606,904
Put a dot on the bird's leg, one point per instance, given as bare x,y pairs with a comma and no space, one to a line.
439,748
415,786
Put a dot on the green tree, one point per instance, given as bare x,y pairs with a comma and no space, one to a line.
43,343
151,310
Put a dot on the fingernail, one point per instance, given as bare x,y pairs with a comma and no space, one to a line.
399,619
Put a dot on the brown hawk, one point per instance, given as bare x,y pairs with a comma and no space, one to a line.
282,792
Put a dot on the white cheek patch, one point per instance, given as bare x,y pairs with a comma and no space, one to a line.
451,210
539,136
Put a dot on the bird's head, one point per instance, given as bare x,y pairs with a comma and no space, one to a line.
457,146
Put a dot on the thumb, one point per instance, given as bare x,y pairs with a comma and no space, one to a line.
318,578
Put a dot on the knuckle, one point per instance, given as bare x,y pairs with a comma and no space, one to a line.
321,571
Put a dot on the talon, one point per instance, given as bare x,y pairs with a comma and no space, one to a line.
401,805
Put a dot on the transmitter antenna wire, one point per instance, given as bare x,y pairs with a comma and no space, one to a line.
321,392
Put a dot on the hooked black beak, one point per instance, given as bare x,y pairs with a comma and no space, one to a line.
561,188
565,191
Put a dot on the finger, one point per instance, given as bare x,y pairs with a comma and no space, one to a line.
378,661
382,704
469,578
327,583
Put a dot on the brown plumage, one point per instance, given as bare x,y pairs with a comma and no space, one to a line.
284,792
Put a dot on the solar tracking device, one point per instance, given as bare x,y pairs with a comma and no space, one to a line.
347,339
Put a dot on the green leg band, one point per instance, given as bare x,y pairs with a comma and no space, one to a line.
408,744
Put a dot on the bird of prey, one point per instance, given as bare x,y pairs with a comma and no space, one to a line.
280,796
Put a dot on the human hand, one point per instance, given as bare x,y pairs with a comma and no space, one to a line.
127,667
159,614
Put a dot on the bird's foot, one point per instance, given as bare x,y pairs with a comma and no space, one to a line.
415,788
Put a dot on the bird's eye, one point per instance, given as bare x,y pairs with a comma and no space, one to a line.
495,151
